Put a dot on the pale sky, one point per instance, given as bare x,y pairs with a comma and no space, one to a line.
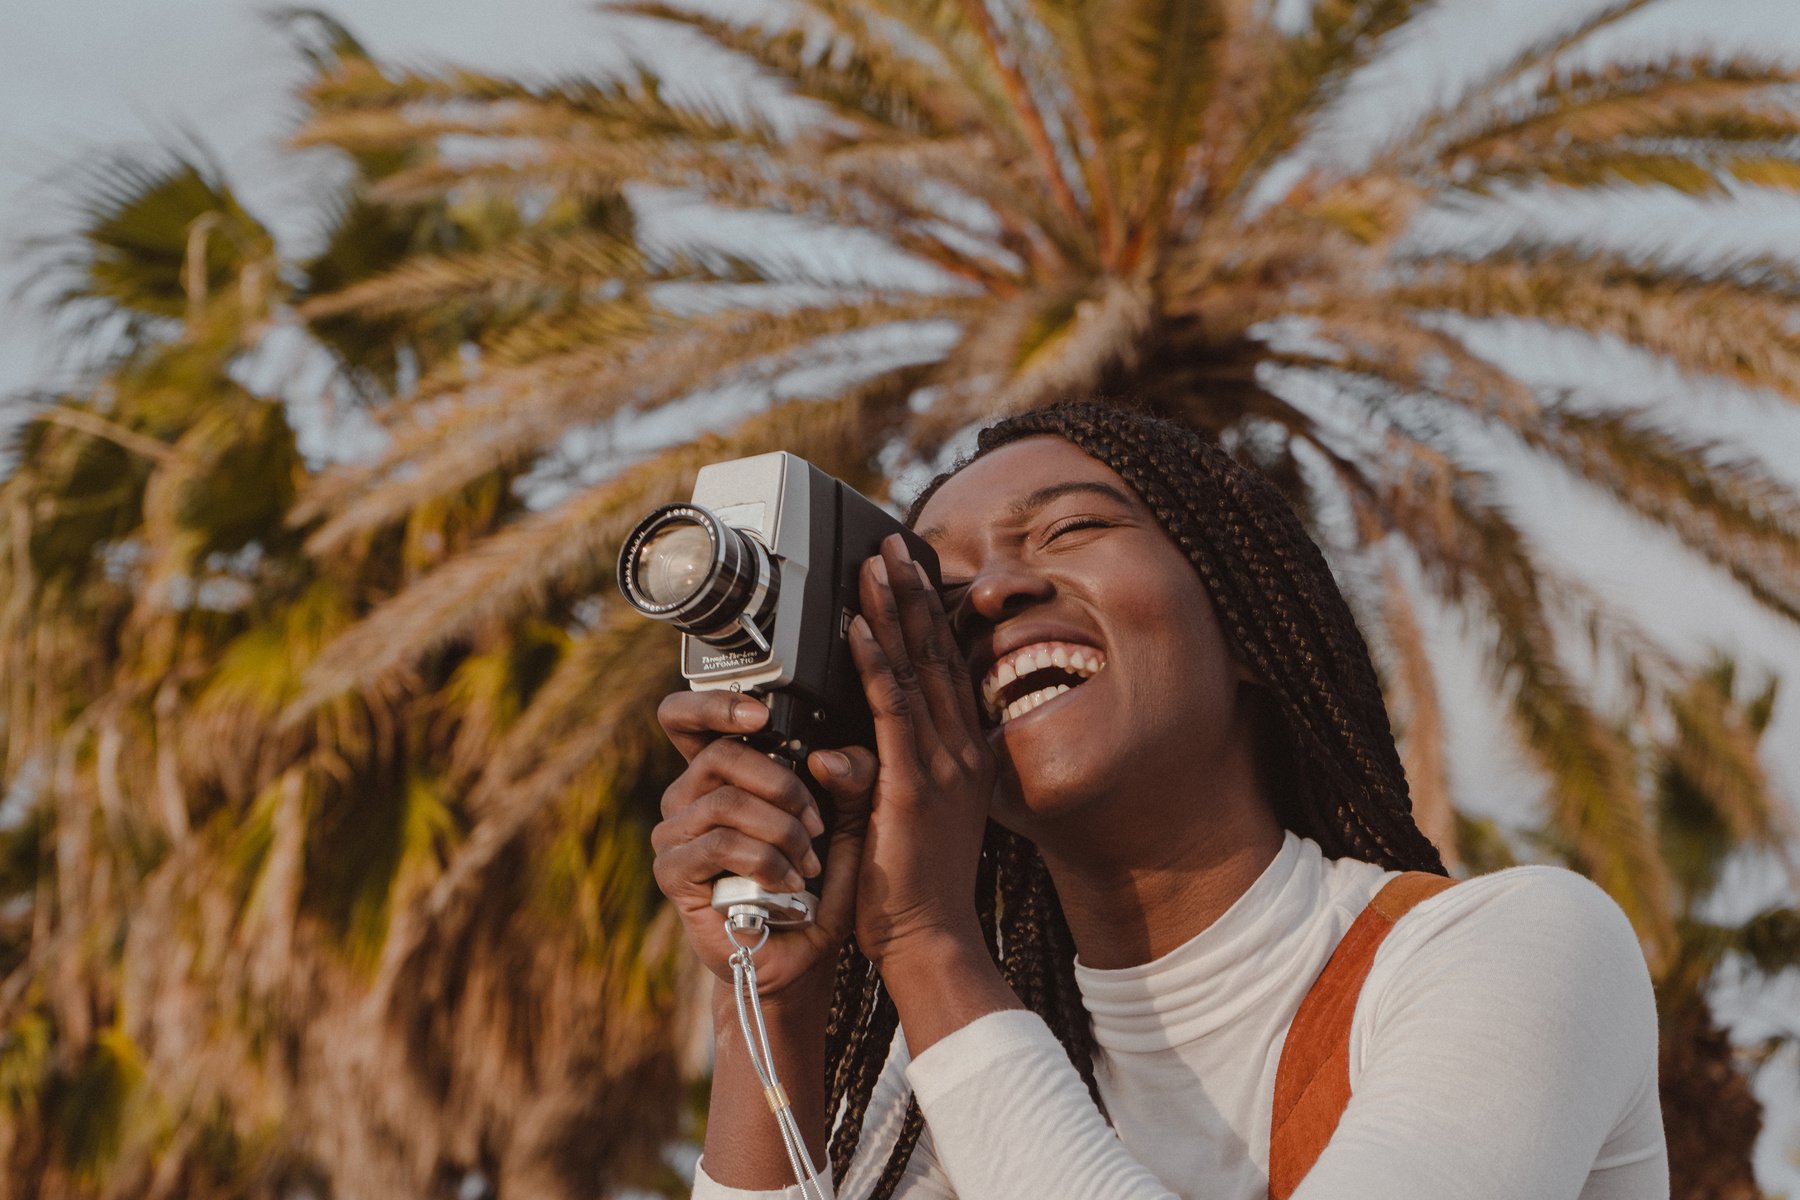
83,76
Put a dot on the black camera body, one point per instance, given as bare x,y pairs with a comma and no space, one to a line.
759,571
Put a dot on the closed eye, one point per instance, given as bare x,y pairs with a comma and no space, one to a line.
1070,524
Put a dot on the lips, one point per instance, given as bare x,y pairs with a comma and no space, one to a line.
1029,675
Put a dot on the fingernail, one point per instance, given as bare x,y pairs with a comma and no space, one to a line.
880,569
812,822
860,627
810,865
834,763
919,569
748,713
900,550
793,882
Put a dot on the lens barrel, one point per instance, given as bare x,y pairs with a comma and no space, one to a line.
682,564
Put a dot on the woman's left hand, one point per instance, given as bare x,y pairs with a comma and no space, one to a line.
936,772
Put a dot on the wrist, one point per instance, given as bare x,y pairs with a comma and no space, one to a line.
802,1004
941,983
930,952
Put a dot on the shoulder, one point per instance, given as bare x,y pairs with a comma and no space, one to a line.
1531,983
1521,910
1538,949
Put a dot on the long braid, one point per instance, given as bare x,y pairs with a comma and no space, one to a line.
1326,748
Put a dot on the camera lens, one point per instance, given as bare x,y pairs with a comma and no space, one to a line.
682,564
673,562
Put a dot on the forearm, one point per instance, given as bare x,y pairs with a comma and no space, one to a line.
744,1148
943,984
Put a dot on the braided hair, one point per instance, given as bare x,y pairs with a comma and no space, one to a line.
1326,750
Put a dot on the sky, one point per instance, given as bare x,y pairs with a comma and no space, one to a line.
81,77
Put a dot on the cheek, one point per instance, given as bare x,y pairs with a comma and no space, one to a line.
1186,677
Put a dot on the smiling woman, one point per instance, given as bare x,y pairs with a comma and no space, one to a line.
1128,854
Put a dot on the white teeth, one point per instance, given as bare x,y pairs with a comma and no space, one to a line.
1025,704
1078,659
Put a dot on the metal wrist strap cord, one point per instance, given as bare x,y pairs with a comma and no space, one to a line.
747,918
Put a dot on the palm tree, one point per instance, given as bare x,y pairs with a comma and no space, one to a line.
202,883
373,815
1091,199
1709,802
1052,198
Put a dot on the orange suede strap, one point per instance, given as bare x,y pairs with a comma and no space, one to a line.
1312,1083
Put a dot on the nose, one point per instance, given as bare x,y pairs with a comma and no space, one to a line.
1003,590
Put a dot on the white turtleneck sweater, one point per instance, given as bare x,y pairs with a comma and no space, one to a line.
1503,1048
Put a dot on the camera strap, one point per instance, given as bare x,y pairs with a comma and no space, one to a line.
749,919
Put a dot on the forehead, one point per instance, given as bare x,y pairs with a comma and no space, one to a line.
993,488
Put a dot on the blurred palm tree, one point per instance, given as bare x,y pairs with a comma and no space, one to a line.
372,745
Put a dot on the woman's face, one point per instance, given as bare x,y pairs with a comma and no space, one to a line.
1102,668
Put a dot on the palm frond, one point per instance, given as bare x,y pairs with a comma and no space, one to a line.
1678,97
1474,556
1694,171
1304,74
1491,87
952,36
363,109
1713,327
1062,351
1731,511
488,434
532,270
860,79
569,550
1423,752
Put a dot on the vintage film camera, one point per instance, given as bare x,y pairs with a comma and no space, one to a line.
759,572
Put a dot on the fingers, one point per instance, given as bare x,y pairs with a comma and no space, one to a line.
848,777
692,865
943,670
728,763
909,625
694,720
775,848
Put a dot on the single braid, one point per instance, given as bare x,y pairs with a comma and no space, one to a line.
1326,747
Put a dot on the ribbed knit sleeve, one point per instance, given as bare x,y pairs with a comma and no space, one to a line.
1011,1117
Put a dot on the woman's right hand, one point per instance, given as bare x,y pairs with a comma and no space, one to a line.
737,811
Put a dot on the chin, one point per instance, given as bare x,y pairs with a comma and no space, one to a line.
1025,805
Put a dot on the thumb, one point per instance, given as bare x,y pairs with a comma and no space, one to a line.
848,776
848,779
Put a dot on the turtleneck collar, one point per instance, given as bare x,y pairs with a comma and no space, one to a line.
1221,972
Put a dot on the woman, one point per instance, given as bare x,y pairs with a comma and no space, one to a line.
1134,781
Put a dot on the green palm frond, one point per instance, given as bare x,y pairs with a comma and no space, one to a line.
156,230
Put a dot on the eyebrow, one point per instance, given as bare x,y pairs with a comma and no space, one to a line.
1026,505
